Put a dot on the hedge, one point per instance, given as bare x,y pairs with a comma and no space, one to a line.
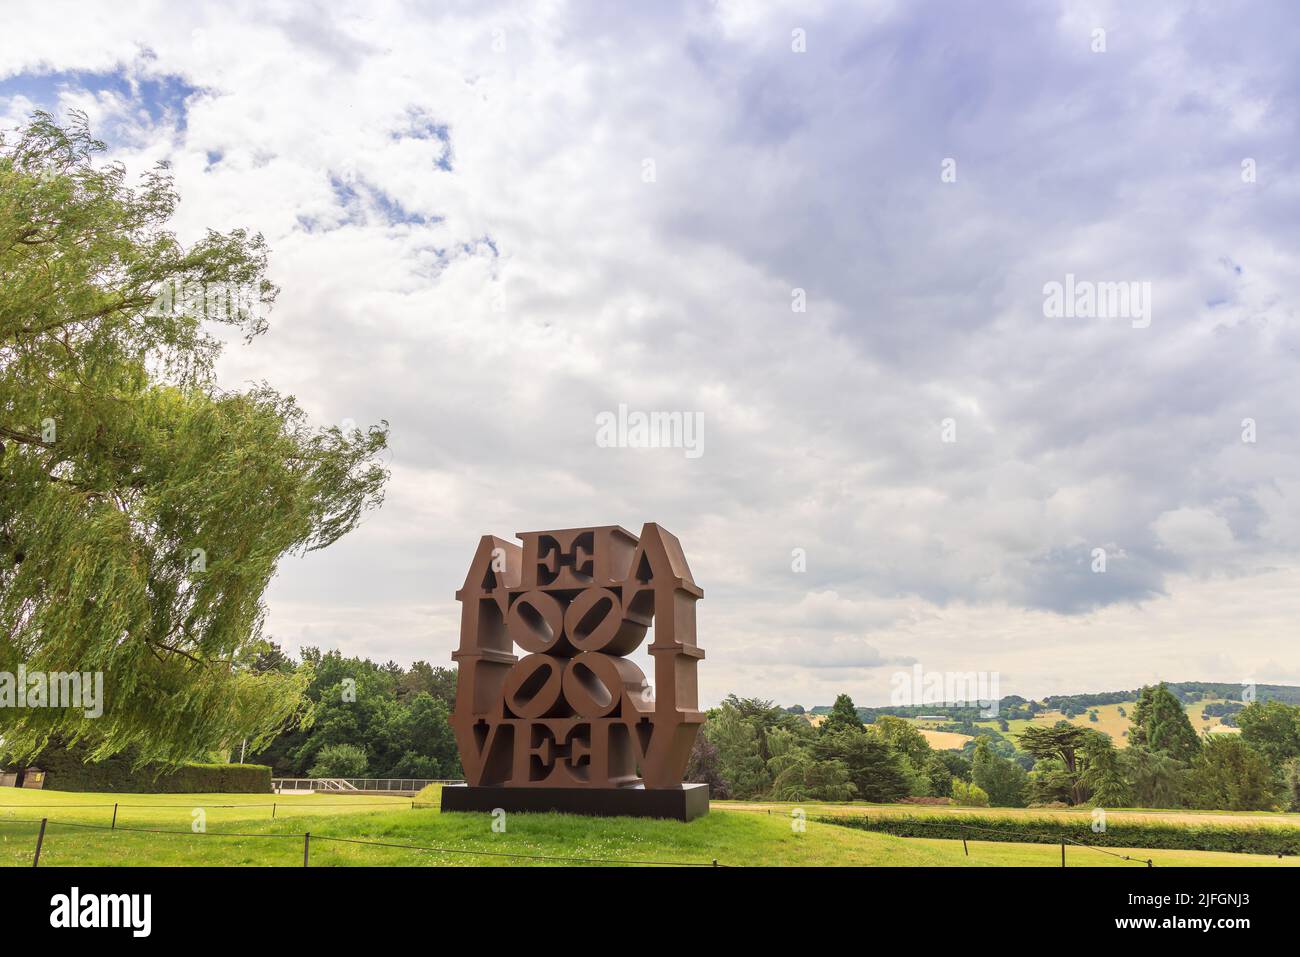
65,770
1239,839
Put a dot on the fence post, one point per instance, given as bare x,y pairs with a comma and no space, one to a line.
272,810
306,847
1062,853
40,839
114,827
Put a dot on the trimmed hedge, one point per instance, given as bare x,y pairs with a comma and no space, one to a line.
66,770
1243,839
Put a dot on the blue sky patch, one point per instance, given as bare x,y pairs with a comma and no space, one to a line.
419,126
162,99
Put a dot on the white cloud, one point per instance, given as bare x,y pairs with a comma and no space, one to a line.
490,309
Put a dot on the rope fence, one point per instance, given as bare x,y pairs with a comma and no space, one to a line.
306,838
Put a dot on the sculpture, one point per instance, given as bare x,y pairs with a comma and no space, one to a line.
573,724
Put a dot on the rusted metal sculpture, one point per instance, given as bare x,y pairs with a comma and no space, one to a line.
573,724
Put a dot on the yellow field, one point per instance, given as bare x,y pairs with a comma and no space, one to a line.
945,740
1213,724
1109,721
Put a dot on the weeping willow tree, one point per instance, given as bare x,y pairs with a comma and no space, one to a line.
143,510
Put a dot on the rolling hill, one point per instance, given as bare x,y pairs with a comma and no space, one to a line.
950,727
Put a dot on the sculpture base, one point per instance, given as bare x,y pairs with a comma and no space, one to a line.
683,803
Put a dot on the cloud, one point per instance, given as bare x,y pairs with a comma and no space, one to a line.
1192,532
469,247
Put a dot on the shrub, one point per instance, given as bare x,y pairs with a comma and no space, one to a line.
217,778
969,795
1245,839
339,761
1229,774
67,770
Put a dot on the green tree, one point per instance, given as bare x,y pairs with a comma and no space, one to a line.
1103,773
843,717
968,795
1273,729
422,676
703,767
426,742
1229,775
1291,784
740,746
339,761
1058,771
1051,783
939,775
1160,723
1155,779
1004,781
354,701
957,764
143,510
764,716
904,737
877,772
798,775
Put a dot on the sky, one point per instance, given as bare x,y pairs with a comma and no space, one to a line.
828,234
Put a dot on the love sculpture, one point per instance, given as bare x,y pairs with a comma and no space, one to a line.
573,725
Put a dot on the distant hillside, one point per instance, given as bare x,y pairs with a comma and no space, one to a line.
1211,707
1013,707
1187,692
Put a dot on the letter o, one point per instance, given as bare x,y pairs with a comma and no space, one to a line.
536,624
532,688
594,621
594,684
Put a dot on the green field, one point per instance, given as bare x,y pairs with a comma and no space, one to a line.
245,835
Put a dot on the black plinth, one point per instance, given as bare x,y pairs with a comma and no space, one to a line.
683,803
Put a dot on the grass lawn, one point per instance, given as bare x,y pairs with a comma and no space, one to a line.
245,835
994,854
174,810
